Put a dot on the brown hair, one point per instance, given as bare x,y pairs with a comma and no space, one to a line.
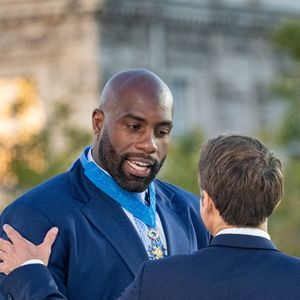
243,177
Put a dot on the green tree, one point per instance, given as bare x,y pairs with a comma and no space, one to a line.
40,158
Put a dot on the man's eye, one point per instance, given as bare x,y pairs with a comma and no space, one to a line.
133,126
163,132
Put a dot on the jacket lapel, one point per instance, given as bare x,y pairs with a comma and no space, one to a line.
109,218
176,223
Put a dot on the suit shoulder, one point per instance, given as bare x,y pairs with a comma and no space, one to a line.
45,188
53,187
184,263
42,197
289,259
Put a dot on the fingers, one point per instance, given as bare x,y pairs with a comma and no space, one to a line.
7,264
4,268
16,237
5,260
50,237
18,250
12,234
45,247
5,246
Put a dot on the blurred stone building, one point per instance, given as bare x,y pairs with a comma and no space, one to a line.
53,45
48,55
215,55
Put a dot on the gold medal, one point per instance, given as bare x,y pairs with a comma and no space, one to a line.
152,234
156,250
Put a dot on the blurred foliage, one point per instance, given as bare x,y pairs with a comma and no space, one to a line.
181,166
287,37
57,160
285,223
47,153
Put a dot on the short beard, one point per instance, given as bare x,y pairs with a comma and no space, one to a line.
113,164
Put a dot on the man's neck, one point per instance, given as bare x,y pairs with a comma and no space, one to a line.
219,224
225,228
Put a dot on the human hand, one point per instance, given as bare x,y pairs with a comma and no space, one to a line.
13,254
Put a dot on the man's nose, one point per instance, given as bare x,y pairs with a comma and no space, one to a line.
147,142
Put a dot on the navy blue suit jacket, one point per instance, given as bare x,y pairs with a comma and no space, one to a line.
232,267
98,251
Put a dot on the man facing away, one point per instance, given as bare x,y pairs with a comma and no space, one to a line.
241,183
111,212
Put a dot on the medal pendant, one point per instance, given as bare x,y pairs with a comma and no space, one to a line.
152,234
157,252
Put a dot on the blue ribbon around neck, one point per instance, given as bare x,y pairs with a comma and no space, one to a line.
128,200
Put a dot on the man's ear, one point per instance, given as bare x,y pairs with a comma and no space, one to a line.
207,203
97,120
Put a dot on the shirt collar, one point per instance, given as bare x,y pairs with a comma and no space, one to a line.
90,158
245,230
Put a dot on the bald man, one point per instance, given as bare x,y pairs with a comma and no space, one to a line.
111,212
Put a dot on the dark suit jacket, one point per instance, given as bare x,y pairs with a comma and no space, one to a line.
232,267
98,251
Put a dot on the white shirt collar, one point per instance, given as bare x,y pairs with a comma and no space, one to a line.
245,230
90,158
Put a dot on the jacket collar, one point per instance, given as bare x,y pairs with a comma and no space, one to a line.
175,218
242,241
111,221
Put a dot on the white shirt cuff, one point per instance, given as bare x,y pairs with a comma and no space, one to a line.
33,261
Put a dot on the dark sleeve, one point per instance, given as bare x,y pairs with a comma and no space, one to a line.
133,291
30,282
33,225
